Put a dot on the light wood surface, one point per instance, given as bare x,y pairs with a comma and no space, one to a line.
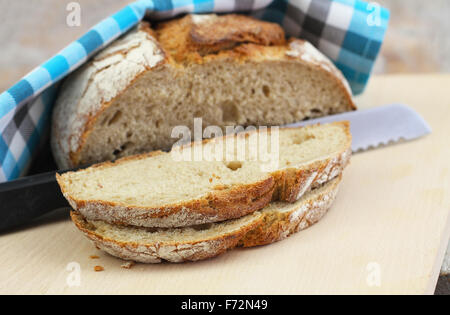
386,233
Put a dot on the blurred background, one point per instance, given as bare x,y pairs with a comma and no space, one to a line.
34,30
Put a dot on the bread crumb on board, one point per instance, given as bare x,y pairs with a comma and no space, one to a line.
127,265
94,257
98,268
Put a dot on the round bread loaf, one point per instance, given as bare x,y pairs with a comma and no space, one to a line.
228,70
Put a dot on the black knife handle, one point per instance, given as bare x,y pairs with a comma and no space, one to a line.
27,198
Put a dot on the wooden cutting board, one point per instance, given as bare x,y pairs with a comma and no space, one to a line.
386,233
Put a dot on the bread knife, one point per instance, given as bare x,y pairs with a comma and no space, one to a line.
378,126
27,198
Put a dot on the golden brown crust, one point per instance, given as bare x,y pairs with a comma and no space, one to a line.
191,38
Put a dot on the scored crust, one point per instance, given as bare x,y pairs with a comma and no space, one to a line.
174,46
265,227
193,37
287,184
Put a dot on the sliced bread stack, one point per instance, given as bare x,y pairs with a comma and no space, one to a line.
157,207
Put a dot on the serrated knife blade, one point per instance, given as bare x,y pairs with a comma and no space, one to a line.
377,126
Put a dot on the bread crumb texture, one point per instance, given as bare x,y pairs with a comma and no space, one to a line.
127,265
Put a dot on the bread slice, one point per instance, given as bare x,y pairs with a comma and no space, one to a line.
159,190
227,70
153,245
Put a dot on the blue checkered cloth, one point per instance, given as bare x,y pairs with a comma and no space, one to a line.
349,32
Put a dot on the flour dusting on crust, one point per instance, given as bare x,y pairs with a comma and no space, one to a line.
84,92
